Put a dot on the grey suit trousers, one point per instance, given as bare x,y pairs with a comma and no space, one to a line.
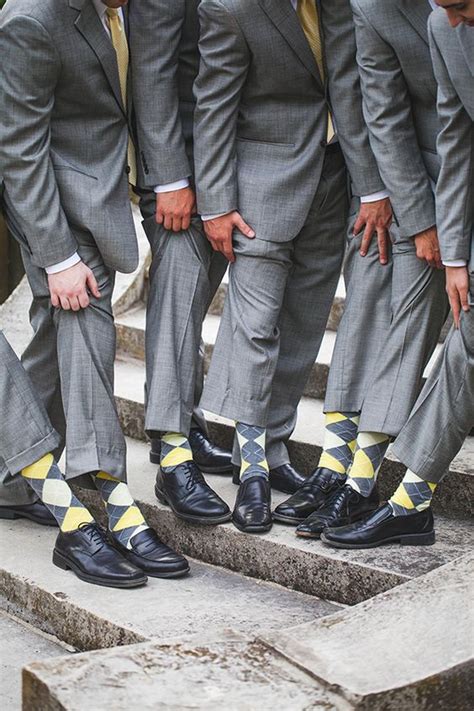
444,413
184,276
26,433
275,313
390,328
70,361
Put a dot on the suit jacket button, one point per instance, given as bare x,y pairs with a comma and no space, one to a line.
127,170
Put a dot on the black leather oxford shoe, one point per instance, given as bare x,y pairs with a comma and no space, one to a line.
344,506
153,557
309,497
210,458
383,526
252,510
36,512
93,559
284,478
189,495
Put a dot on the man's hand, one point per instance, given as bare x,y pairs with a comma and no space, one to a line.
427,247
375,217
457,286
219,232
69,289
174,209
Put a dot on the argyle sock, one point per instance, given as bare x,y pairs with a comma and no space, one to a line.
48,482
339,441
125,518
368,457
413,494
252,451
175,450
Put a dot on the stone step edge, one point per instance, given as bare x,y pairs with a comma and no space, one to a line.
454,497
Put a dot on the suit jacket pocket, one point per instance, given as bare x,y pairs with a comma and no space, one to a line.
60,163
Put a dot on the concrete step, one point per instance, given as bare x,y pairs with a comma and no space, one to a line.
454,497
346,577
412,647
87,617
131,342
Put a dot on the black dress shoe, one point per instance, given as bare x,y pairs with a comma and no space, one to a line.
383,526
92,558
252,510
210,458
153,557
36,512
189,495
344,506
309,497
284,478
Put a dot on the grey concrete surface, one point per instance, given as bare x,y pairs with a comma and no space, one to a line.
90,617
236,675
412,647
20,645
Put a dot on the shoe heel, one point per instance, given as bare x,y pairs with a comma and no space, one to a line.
418,539
155,458
59,561
236,477
8,515
160,497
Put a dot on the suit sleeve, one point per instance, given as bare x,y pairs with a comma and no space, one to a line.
155,28
387,111
345,96
454,191
224,65
27,85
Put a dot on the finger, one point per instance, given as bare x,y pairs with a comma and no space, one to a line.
177,223
454,301
92,284
383,247
167,222
84,300
243,227
186,222
366,240
464,299
432,261
358,224
74,302
159,217
64,303
55,300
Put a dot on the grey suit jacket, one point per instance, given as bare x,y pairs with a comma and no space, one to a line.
260,122
399,93
63,132
453,58
164,38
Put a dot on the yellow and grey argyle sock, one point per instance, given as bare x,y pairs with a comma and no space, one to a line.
175,450
125,518
368,457
339,441
47,480
252,451
414,494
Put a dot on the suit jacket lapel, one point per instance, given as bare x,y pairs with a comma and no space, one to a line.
90,27
417,13
287,23
466,40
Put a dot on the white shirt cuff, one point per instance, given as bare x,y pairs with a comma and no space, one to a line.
206,218
66,264
455,263
169,187
381,195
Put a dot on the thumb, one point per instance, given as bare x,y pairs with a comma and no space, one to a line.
243,227
92,284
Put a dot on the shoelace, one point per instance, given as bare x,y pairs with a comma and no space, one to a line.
193,476
94,533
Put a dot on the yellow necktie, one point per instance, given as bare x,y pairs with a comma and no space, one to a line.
309,18
120,44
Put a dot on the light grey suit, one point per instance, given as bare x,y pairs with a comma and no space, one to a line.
185,272
260,147
63,148
394,313
444,412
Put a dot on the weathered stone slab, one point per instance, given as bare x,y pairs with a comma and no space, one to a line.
409,648
233,675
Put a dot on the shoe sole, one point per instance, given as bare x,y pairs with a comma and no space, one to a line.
168,576
253,529
60,561
12,515
288,519
202,520
410,539
156,459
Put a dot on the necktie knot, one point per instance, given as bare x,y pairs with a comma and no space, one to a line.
112,12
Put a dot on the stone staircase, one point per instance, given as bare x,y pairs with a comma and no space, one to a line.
268,621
